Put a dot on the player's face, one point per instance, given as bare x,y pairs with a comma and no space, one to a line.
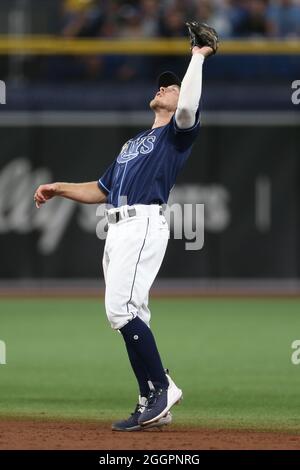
166,98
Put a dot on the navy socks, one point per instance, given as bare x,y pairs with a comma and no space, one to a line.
139,337
139,370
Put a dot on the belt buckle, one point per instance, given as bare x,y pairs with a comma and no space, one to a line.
131,212
115,217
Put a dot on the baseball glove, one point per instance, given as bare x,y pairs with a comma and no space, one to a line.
202,35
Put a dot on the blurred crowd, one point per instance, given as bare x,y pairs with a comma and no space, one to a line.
158,18
165,18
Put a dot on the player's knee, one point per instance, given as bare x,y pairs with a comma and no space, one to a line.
117,312
113,319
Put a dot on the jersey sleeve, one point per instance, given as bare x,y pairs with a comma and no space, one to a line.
105,182
184,138
189,129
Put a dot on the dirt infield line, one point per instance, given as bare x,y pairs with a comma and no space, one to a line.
66,435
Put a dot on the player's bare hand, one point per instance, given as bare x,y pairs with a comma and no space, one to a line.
44,193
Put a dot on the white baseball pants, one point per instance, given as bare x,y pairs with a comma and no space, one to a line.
133,253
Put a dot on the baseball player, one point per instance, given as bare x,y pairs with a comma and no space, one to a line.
136,186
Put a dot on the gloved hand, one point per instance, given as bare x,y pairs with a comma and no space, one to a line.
203,35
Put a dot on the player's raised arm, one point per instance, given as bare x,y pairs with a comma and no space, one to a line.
204,42
88,193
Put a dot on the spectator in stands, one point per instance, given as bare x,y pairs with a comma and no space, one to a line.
151,13
253,19
284,18
188,6
130,22
216,13
131,25
172,24
82,18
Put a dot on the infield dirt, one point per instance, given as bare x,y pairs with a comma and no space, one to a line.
60,435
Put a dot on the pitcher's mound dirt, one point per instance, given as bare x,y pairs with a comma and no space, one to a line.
61,435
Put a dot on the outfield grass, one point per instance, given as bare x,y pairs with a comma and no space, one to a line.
231,357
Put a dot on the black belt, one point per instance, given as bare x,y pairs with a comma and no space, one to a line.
115,217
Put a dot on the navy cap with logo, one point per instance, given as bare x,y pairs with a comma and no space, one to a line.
168,78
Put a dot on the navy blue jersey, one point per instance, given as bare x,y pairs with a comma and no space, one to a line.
146,168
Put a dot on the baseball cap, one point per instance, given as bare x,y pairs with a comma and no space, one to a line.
168,78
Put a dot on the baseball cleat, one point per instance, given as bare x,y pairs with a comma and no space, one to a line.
159,403
132,424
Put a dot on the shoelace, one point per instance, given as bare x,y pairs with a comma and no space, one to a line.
138,409
153,396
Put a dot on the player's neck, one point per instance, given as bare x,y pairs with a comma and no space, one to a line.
162,118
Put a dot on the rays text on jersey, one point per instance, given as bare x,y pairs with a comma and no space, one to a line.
133,148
